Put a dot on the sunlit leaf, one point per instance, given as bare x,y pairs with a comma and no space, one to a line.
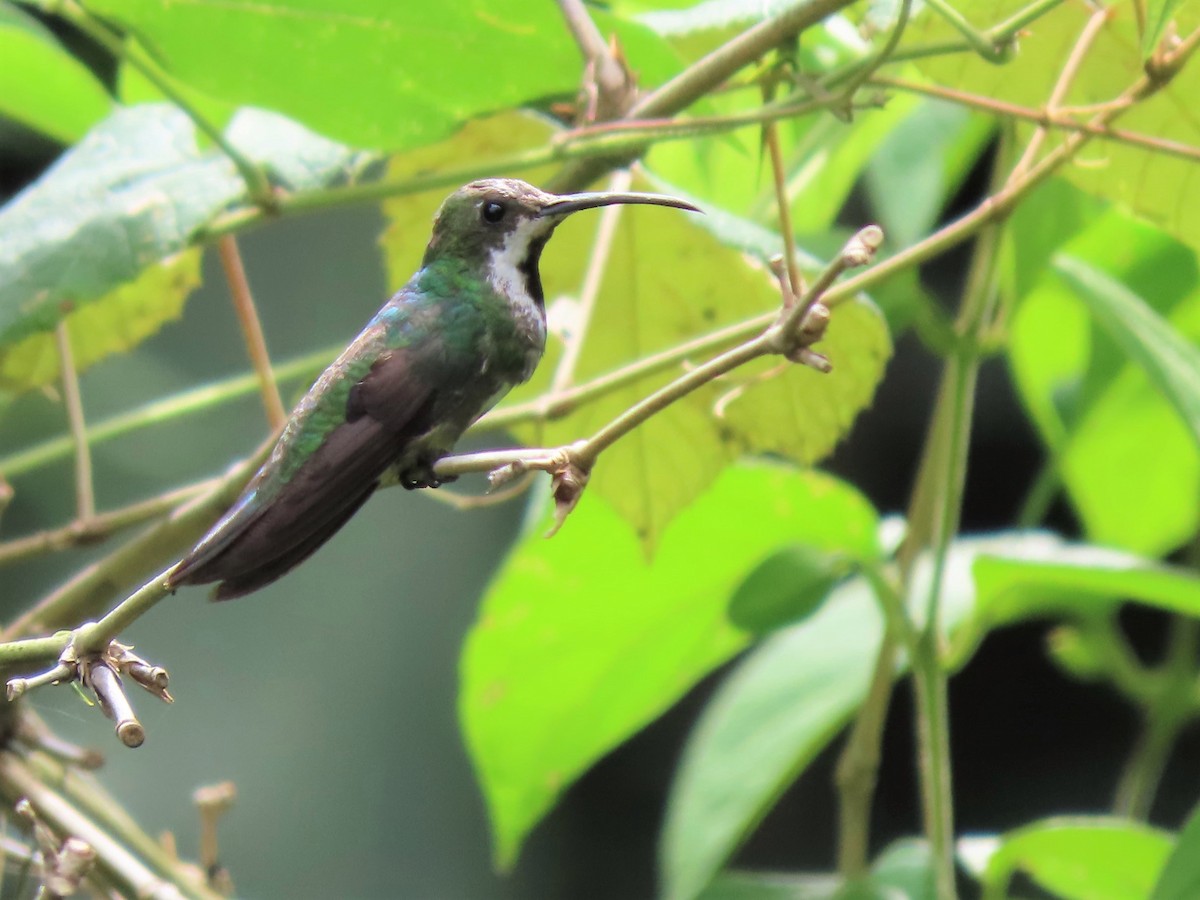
135,191
1096,410
1163,187
1080,859
1011,576
371,73
667,280
785,587
42,85
1180,878
1171,362
581,641
116,322
769,719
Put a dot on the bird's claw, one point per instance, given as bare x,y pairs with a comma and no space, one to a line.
421,475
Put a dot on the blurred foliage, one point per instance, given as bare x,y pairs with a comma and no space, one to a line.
703,534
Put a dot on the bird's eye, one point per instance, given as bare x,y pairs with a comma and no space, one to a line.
492,212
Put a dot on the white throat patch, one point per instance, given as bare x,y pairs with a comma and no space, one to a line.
504,272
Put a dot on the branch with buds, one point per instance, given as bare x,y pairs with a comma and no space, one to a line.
91,655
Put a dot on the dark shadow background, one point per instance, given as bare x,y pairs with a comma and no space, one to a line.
334,710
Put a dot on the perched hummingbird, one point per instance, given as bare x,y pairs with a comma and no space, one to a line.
466,328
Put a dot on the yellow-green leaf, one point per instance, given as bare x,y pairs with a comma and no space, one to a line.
116,322
1164,188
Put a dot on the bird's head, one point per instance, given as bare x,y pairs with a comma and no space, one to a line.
500,225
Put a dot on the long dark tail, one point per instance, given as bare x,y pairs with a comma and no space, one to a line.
261,537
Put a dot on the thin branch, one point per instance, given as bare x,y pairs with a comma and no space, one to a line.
130,873
166,410
783,205
609,75
85,495
89,590
99,527
706,73
1007,110
882,56
592,280
252,333
981,41
257,186
1070,70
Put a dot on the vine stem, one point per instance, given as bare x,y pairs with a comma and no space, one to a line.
252,332
85,494
593,278
186,525
257,186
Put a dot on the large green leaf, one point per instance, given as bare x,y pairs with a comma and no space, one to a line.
371,73
116,322
1080,859
133,193
1096,410
667,280
823,159
44,86
1162,187
1010,576
919,165
765,724
581,641
1180,878
1171,362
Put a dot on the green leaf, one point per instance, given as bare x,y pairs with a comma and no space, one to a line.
787,586
1180,878
667,280
1158,186
772,886
1158,16
1171,362
42,85
370,73
119,321
1097,412
1080,858
824,158
134,192
1019,575
767,722
581,641
920,164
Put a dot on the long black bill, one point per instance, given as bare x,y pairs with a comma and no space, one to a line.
573,202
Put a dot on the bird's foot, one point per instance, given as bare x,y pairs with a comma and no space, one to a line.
421,475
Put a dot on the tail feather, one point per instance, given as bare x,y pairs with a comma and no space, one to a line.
253,579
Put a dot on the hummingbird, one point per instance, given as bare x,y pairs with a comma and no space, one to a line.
467,327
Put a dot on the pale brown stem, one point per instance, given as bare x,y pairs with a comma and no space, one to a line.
85,495
256,344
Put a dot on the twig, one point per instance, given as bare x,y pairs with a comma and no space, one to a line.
100,526
981,42
611,80
1091,30
882,56
783,207
91,588
166,410
130,873
592,280
257,185
252,333
85,495
1057,120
